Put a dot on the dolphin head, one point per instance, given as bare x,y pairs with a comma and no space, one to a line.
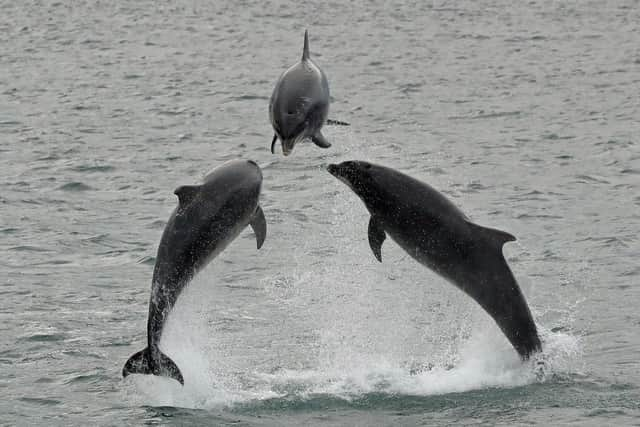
296,118
239,171
350,172
361,177
209,216
240,180
291,128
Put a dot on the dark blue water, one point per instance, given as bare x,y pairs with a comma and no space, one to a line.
525,115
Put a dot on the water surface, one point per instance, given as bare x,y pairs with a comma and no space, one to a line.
526,116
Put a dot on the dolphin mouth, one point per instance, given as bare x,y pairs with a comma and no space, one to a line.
289,143
341,172
333,169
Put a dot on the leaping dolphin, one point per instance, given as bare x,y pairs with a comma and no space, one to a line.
299,104
439,236
208,217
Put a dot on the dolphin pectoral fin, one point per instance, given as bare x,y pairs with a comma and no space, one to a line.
332,122
259,225
376,237
320,140
497,237
273,143
186,193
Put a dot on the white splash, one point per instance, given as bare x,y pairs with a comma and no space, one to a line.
337,324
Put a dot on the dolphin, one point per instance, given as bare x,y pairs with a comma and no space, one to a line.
208,217
439,236
299,104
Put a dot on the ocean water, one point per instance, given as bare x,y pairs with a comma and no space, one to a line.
525,114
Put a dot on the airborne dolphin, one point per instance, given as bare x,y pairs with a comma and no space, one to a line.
299,104
208,217
439,236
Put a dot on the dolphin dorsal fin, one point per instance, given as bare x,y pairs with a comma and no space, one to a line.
305,49
186,193
499,237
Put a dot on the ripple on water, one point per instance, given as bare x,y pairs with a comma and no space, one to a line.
40,401
27,248
75,186
588,179
157,225
38,337
96,376
93,168
147,260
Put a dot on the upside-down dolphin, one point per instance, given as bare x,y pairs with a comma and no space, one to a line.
299,104
439,236
209,216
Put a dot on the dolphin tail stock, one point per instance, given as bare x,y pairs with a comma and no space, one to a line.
508,306
142,363
332,122
520,329
529,344
305,49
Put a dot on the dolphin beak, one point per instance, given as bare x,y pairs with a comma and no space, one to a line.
345,172
288,144
333,169
341,172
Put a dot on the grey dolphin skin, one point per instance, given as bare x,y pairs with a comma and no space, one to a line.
299,104
439,236
209,216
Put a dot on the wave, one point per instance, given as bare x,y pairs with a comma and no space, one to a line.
357,379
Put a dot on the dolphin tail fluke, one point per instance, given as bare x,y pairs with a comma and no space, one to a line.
305,49
168,368
332,122
141,363
273,143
